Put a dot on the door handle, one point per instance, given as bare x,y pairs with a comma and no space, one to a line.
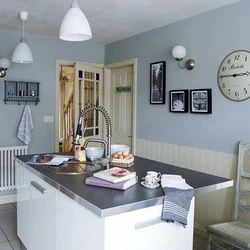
39,187
129,136
148,223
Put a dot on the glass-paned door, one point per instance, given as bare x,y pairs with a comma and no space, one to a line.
67,107
89,89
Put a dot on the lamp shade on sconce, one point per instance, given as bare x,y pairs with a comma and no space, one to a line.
22,53
179,52
4,63
75,26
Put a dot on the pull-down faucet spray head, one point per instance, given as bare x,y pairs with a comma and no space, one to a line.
78,134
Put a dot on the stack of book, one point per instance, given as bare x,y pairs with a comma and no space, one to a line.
116,178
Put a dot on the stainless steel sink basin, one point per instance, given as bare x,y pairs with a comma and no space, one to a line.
73,168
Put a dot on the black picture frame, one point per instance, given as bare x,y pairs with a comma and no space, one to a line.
157,82
178,101
201,101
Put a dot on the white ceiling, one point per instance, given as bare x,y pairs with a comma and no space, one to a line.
110,20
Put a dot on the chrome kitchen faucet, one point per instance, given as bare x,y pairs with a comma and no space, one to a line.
107,144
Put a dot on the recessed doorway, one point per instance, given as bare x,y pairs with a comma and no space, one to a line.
120,100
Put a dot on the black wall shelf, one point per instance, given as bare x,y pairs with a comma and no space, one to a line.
17,92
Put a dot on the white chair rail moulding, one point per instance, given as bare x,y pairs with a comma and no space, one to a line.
75,26
22,53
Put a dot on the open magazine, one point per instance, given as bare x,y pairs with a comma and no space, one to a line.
49,159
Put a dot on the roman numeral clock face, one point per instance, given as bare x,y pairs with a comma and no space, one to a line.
234,76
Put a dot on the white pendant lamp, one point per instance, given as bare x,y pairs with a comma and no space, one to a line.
22,53
75,26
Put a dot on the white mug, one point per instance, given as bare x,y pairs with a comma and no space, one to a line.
154,174
150,180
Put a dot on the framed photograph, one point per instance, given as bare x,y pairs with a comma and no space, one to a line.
157,82
201,101
178,101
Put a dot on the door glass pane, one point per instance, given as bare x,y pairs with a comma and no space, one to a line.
97,131
89,119
97,103
89,92
80,95
89,75
80,74
89,132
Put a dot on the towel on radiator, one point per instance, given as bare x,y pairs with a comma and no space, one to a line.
177,200
25,126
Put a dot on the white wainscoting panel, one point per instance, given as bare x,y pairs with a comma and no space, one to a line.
211,207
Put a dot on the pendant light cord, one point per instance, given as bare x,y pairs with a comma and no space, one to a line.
23,28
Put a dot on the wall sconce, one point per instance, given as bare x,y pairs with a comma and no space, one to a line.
179,52
4,65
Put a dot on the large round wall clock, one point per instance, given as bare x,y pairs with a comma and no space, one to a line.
234,76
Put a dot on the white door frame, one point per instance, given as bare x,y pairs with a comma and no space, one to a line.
107,82
60,62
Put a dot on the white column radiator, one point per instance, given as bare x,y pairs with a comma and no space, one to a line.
7,165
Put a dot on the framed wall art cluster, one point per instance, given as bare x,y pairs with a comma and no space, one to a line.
197,100
200,101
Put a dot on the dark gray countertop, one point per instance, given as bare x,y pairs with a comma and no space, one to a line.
106,202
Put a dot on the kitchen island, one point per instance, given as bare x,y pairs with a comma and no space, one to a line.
60,212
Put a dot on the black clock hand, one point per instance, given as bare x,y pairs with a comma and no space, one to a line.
228,76
235,75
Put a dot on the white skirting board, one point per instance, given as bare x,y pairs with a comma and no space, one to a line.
200,230
4,199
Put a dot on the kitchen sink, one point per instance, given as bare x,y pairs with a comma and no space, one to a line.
73,168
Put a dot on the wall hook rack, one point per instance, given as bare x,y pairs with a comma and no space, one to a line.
21,92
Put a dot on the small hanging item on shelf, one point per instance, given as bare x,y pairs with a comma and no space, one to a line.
80,153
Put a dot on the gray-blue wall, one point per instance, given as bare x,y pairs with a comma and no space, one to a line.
45,52
208,38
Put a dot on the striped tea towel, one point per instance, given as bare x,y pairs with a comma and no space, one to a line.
177,200
25,126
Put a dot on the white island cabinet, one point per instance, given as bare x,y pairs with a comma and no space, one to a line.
137,230
49,220
60,212
36,211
